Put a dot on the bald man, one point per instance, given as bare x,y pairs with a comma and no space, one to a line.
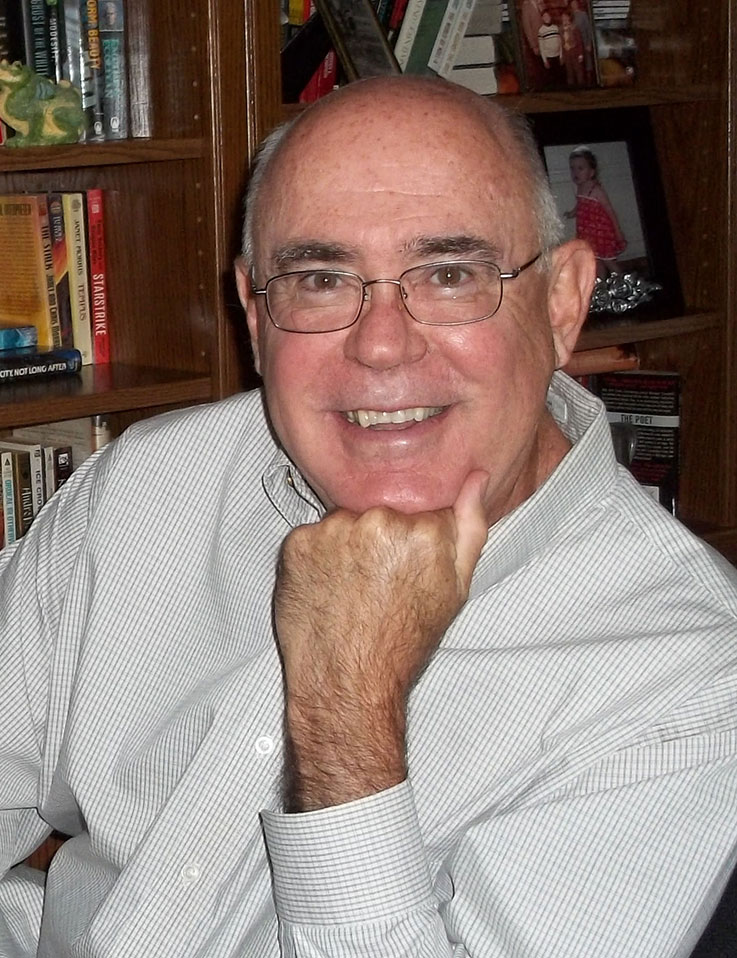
413,668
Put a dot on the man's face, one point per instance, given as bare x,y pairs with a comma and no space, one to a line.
375,192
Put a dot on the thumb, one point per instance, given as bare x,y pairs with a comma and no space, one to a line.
471,525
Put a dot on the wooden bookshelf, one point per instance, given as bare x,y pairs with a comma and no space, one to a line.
172,214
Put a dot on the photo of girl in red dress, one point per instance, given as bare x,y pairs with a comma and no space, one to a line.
596,220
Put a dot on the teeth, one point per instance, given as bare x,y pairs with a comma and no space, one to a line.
372,417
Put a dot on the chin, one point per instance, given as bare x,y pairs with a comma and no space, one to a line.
402,498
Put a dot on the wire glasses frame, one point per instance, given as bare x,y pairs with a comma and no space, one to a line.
295,306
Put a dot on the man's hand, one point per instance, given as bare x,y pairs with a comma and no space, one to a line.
361,604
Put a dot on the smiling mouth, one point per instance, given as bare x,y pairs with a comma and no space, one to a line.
374,417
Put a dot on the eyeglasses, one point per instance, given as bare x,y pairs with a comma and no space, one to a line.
439,294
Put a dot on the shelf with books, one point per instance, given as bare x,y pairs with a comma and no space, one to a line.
112,387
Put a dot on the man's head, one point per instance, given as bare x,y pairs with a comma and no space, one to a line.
386,175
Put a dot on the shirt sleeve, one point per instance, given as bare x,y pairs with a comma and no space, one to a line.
632,870
33,573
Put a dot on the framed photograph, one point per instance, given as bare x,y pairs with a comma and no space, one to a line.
557,43
604,174
358,38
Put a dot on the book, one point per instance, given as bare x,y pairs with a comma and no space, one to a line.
78,66
486,57
27,288
10,532
36,469
115,73
64,464
25,364
76,238
425,36
649,403
97,276
37,38
90,31
60,261
16,473
451,32
408,31
55,27
18,337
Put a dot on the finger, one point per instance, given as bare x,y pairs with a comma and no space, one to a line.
471,524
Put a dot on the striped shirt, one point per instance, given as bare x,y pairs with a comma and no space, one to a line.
572,787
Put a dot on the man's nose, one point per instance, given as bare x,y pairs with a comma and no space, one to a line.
385,334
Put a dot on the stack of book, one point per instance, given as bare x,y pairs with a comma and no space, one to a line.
53,284
35,461
82,41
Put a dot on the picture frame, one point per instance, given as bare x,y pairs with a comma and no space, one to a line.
358,37
556,42
622,144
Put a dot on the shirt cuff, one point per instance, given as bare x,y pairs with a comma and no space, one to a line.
360,861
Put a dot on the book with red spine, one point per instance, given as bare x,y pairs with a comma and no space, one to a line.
97,276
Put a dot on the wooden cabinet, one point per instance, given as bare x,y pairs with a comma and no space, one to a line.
206,86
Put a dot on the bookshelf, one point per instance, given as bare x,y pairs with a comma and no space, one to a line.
171,217
206,85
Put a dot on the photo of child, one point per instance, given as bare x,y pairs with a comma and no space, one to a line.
597,177
596,220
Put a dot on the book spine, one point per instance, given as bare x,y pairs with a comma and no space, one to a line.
35,470
115,86
55,20
61,268
64,464
23,489
49,471
408,31
93,47
18,337
48,262
447,24
9,518
74,224
97,276
72,54
445,56
427,32
37,41
37,364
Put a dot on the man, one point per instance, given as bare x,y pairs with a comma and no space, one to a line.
498,680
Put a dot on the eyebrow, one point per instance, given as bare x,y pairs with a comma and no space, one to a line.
312,251
461,244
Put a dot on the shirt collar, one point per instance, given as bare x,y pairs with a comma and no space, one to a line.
579,483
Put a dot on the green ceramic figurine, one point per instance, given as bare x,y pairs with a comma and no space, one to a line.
41,112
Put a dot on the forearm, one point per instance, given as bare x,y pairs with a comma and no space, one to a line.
340,751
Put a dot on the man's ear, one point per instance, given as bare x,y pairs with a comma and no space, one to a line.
248,302
572,275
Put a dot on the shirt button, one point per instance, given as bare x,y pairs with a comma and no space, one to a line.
191,874
264,745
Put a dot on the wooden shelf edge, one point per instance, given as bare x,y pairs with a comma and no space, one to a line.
601,98
638,331
100,389
112,153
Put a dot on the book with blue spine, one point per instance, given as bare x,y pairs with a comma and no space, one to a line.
31,363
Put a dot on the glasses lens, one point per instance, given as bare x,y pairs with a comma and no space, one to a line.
444,294
314,301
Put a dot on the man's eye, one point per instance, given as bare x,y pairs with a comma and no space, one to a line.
324,282
451,274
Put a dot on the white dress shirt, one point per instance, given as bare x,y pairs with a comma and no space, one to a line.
572,787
